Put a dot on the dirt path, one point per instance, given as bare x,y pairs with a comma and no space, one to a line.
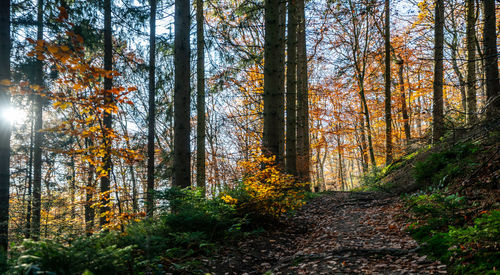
337,233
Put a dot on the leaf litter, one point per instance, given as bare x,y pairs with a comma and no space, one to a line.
335,233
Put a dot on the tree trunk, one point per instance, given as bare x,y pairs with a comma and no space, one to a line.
341,166
4,125
89,195
281,74
491,55
437,102
363,147
30,175
366,114
388,117
182,95
303,147
150,185
108,85
200,98
37,157
471,116
272,75
135,205
291,91
404,110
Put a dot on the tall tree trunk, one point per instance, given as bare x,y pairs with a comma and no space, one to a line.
471,116
437,102
281,74
272,75
341,166
491,55
37,157
135,205
182,95
30,175
404,110
363,146
303,146
72,186
366,114
200,98
89,195
150,186
108,85
291,91
4,125
388,117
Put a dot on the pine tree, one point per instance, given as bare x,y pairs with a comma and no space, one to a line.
4,125
437,102
182,95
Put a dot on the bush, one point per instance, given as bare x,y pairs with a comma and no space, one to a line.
477,248
439,225
92,254
265,191
444,165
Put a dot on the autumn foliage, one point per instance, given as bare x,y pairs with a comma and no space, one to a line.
266,190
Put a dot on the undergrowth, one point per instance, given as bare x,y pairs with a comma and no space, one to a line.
440,223
445,223
189,226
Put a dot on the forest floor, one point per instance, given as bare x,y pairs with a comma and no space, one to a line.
335,233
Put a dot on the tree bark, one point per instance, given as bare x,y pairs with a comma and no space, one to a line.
89,195
182,95
491,56
272,88
4,125
108,85
388,116
404,109
150,186
281,74
37,151
471,116
437,102
200,98
303,146
291,91
30,175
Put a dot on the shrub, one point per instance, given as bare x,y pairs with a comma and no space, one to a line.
265,191
92,254
434,212
477,248
440,166
439,227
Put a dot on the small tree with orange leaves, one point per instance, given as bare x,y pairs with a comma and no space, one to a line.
79,94
266,190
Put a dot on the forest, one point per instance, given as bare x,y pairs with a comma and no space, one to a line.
249,137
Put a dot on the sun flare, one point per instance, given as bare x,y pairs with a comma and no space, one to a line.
13,115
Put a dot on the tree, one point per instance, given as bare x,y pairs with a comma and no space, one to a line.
200,97
491,55
151,111
388,118
291,91
273,93
437,101
37,150
182,95
108,98
404,110
4,124
471,63
303,147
